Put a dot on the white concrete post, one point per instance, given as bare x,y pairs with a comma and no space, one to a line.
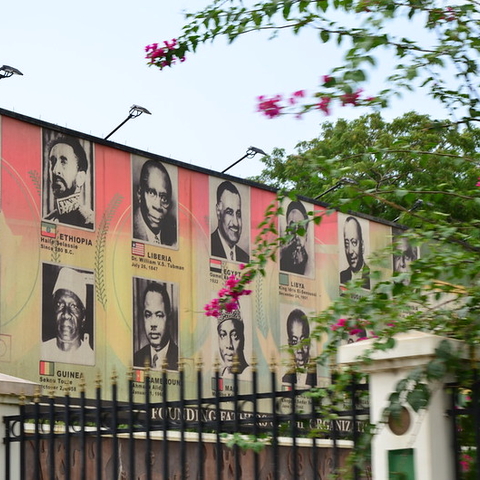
11,389
430,432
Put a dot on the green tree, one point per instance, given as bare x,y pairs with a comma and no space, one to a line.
415,154
389,166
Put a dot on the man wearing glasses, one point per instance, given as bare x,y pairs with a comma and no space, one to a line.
71,343
153,221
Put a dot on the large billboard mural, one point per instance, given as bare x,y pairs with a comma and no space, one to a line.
108,255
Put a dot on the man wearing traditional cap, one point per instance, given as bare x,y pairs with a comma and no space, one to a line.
231,342
157,321
71,343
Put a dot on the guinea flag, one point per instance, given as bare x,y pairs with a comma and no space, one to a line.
46,368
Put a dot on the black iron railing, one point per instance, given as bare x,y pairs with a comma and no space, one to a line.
275,434
465,413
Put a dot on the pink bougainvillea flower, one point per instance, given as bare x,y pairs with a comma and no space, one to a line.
296,95
351,98
170,45
299,94
340,324
450,14
228,296
164,56
465,462
327,78
270,107
356,331
231,306
324,105
478,183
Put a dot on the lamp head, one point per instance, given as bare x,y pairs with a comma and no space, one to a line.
137,110
7,71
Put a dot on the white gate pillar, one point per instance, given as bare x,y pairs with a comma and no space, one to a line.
422,445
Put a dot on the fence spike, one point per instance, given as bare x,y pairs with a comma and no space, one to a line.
199,363
114,376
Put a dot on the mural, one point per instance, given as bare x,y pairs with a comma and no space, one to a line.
108,256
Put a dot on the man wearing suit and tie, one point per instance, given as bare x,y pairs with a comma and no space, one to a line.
157,321
229,230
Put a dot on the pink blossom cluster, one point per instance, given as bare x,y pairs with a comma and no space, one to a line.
356,329
270,107
276,105
478,183
466,462
351,98
163,56
228,296
324,105
449,14
295,96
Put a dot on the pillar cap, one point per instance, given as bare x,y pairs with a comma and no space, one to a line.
412,349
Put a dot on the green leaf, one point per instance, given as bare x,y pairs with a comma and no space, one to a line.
436,369
419,397
325,36
444,350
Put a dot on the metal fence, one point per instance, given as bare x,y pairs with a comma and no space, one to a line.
465,412
271,435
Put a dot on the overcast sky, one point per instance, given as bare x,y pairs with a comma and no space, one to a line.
84,67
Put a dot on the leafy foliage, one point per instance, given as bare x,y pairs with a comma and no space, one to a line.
414,170
411,161
430,42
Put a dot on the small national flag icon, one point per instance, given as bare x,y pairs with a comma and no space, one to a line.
215,265
219,386
283,279
139,376
46,368
49,230
138,249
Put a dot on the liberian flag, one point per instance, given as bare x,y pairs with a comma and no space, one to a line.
138,249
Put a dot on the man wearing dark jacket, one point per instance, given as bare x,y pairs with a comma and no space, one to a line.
229,215
157,321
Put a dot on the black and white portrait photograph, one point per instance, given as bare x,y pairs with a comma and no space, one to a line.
154,202
354,237
297,255
229,220
406,253
234,343
155,324
67,315
296,337
68,180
